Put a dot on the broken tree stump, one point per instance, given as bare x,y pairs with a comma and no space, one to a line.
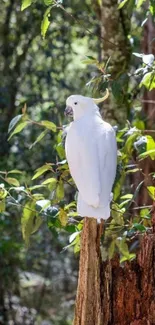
109,294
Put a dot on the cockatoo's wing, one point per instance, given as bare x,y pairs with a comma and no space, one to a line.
83,160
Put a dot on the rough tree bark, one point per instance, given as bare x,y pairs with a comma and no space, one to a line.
114,44
109,294
148,165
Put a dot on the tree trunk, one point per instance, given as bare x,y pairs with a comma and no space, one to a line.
109,294
115,45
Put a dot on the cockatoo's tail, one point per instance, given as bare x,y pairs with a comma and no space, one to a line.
91,152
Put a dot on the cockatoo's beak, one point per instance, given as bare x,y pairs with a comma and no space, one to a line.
100,100
68,111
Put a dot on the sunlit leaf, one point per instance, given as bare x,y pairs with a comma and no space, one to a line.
30,221
89,60
14,122
151,191
45,22
41,170
128,148
111,249
145,154
48,2
12,181
131,257
148,81
73,236
63,217
150,145
39,138
139,124
15,171
25,4
52,182
145,213
3,193
18,128
127,196
60,190
49,125
123,247
2,206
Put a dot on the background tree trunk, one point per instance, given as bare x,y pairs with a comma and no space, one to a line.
109,294
115,46
148,165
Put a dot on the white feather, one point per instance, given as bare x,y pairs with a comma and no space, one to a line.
91,152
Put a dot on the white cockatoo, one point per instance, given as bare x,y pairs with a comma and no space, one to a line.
91,153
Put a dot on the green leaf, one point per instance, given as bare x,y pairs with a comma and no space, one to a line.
25,4
14,122
52,181
122,246
122,3
45,22
30,221
139,227
39,138
148,81
127,196
129,258
145,154
134,170
15,171
12,181
121,205
60,150
150,145
2,206
128,148
145,213
63,217
18,129
89,60
139,124
117,214
60,190
73,236
111,249
41,170
36,187
48,2
151,191
49,125
3,193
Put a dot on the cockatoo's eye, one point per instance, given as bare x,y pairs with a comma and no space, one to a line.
75,103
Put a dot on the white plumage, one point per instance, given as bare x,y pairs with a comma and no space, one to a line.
91,153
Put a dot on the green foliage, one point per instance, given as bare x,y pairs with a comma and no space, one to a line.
148,80
30,221
42,170
45,22
25,4
132,142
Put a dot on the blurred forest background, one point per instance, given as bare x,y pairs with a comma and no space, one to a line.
38,284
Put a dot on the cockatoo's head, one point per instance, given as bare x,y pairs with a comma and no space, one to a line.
77,105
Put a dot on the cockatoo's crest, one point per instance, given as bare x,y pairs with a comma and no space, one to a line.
80,105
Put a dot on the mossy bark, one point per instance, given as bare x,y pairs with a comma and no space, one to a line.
109,294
